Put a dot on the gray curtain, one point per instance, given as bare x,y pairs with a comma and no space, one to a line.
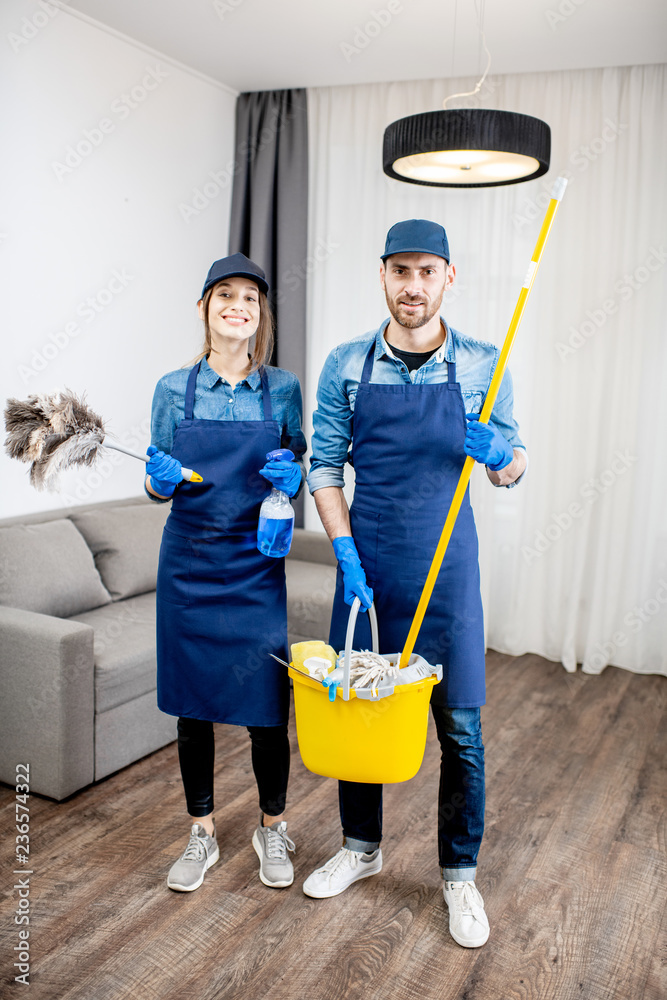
269,215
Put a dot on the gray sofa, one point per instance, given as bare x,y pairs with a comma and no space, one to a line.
77,638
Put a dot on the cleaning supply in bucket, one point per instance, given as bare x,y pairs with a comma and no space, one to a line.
276,517
318,660
370,674
369,670
312,649
333,680
317,667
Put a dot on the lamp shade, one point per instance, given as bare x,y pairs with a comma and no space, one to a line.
466,147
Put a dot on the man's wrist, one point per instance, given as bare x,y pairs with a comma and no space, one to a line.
512,473
504,462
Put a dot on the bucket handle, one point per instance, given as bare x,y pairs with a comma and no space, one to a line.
349,637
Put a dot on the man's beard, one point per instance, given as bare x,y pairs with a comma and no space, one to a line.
412,321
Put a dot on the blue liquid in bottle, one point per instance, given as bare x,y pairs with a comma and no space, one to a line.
276,516
274,535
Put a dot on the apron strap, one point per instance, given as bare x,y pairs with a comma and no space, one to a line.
266,395
368,365
190,391
451,367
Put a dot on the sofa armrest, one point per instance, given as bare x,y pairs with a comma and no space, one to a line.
47,701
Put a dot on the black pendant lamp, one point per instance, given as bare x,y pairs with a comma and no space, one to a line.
466,147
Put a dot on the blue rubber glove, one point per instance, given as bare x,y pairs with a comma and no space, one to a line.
284,475
486,444
354,578
165,471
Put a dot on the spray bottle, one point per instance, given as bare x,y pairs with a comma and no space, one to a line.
276,516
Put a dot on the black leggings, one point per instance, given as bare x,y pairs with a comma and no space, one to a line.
270,762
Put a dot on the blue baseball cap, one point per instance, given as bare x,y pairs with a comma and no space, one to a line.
417,236
236,266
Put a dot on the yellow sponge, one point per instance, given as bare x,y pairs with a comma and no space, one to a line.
313,647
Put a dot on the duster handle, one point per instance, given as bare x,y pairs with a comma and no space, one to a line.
188,474
457,499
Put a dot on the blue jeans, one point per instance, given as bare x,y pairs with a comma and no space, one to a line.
460,797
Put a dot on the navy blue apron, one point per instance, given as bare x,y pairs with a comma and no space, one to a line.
221,604
407,452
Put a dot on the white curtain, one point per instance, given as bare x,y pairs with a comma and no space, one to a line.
574,560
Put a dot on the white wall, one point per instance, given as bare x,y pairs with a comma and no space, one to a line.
112,225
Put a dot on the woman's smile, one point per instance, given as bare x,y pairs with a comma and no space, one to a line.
235,320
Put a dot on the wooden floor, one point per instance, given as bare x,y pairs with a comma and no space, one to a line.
572,870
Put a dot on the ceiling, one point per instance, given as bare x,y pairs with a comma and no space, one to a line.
267,44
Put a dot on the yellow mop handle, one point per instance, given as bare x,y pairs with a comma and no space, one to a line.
457,499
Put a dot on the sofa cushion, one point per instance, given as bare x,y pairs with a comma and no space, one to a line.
48,568
125,662
310,592
125,542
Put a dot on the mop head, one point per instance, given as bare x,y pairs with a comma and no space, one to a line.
370,669
53,431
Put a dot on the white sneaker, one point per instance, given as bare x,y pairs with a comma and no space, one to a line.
468,923
341,871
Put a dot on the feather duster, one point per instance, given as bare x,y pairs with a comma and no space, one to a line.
57,431
54,432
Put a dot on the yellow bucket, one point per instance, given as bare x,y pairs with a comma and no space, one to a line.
359,737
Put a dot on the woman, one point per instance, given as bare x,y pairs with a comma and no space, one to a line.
221,604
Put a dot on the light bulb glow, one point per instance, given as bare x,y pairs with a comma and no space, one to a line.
465,166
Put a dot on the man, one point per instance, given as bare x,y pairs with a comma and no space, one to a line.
407,397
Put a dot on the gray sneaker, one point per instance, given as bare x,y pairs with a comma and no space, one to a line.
271,844
202,851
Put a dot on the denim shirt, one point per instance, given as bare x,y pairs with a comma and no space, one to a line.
215,400
337,389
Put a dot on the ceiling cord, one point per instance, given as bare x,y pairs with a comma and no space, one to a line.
480,83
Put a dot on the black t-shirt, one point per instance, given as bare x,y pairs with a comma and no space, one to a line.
411,358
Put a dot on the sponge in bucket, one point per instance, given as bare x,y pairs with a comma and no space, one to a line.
301,651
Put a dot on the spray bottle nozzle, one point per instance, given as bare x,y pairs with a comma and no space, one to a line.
332,681
280,454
